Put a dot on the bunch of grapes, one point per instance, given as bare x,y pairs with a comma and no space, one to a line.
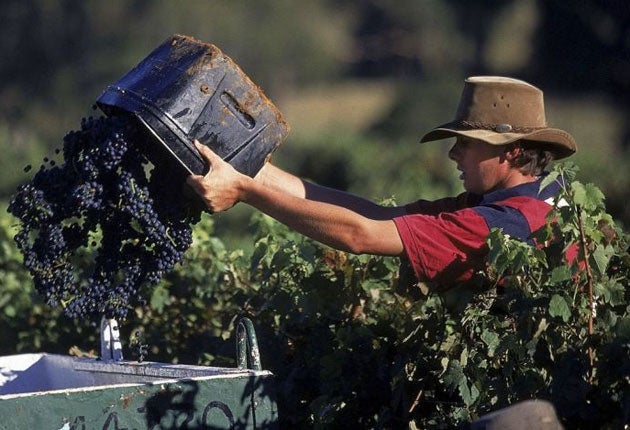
109,221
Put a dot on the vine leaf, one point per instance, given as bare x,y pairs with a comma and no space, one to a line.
454,375
587,196
560,274
552,176
558,307
491,339
602,256
469,394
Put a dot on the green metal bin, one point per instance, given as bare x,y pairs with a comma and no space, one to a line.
49,391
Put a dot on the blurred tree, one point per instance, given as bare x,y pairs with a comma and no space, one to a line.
584,47
278,43
405,39
62,54
476,20
385,45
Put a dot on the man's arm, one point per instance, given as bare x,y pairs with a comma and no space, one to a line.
280,180
331,223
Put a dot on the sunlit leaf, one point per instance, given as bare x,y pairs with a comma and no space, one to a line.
491,339
469,394
551,177
587,196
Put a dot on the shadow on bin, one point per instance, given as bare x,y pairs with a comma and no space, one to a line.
179,406
186,90
256,400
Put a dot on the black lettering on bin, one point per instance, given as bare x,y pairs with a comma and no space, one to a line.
112,418
78,424
222,407
237,110
190,416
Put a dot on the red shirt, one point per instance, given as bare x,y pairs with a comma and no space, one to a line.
445,240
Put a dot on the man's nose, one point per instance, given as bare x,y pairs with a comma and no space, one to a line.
453,153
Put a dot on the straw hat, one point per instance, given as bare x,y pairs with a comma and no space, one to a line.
498,111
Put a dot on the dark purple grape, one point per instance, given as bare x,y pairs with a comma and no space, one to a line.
108,222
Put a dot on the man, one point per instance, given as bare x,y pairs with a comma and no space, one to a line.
502,147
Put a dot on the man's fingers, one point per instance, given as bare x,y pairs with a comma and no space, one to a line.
207,153
218,187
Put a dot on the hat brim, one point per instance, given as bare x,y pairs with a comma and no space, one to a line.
560,143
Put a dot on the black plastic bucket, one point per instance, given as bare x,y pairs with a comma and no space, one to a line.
185,90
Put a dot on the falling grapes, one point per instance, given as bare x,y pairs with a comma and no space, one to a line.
107,222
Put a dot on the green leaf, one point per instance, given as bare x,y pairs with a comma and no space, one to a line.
463,357
588,196
560,274
498,251
371,284
601,256
522,257
159,298
469,394
282,258
552,176
558,307
491,339
10,311
568,170
454,375
261,250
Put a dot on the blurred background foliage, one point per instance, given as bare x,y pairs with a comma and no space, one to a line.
358,81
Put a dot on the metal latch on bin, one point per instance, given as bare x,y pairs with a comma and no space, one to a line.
111,347
247,353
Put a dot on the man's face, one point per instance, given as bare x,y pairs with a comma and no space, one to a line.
483,166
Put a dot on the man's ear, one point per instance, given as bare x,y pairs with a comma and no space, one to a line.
511,153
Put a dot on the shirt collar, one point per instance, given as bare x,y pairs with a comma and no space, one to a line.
529,189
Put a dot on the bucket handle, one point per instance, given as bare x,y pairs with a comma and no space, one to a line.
247,354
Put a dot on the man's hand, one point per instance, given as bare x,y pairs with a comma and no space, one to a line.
221,187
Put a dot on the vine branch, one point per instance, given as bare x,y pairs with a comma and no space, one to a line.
589,279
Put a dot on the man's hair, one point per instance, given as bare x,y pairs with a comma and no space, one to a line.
533,157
